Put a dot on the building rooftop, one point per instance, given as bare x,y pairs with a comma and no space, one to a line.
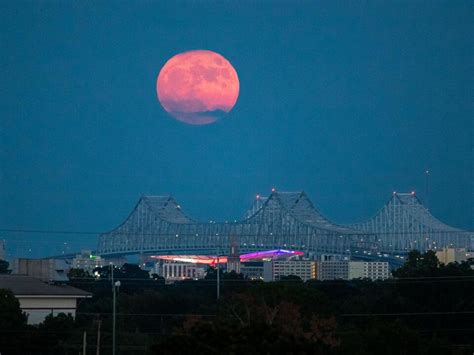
29,286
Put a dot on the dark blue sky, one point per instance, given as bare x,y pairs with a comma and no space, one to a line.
346,101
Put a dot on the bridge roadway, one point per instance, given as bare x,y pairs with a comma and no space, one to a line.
284,220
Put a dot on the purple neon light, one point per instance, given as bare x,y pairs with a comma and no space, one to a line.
270,254
211,260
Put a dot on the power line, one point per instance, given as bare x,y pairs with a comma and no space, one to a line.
398,279
404,314
147,314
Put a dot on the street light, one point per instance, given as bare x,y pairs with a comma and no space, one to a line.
115,284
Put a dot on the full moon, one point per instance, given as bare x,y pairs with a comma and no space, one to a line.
197,87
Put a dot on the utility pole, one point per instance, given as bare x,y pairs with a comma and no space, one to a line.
99,323
218,272
218,280
84,343
113,308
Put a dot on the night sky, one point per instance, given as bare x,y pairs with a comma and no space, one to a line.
344,100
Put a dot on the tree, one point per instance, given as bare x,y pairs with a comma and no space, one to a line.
4,267
61,322
78,274
126,271
290,278
419,265
224,275
132,271
11,315
250,324
12,324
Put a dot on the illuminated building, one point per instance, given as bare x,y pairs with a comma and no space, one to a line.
451,255
250,265
374,270
175,271
87,261
233,260
212,259
273,270
193,259
347,270
333,270
252,270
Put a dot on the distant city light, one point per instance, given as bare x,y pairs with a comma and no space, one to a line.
212,259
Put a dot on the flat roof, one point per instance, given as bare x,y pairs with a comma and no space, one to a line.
22,285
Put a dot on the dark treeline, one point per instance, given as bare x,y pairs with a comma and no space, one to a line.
426,309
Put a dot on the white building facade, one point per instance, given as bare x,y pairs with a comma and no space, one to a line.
348,270
274,270
175,271
39,299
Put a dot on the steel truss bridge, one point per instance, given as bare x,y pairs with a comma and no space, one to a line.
404,224
284,220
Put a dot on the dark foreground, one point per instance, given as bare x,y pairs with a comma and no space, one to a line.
426,310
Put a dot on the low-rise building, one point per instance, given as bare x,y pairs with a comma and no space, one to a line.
274,270
87,261
233,260
252,270
176,271
3,253
333,270
39,299
451,255
374,270
348,270
43,269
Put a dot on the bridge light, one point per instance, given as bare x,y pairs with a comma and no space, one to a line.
257,197
394,192
273,189
413,192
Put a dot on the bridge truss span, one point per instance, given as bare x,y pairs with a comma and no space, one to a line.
286,220
404,224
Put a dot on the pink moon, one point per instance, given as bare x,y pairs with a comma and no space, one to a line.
197,87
